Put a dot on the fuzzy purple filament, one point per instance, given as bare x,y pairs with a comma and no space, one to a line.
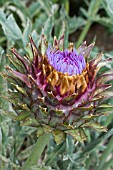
66,61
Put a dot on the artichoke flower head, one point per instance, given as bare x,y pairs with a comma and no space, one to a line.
59,90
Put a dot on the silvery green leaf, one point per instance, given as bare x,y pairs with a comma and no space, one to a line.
74,23
10,27
19,13
34,8
25,153
36,37
54,8
40,22
3,84
47,29
46,6
21,5
105,21
26,32
108,6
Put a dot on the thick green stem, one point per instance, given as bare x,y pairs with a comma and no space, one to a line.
92,11
84,32
37,151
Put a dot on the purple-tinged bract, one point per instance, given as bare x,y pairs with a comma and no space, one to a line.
60,90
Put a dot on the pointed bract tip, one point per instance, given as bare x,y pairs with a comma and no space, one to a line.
31,40
30,37
28,44
42,35
91,45
62,37
8,55
8,68
12,48
94,42
83,44
55,39
71,45
100,55
29,76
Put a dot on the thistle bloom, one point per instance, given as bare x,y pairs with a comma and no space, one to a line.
59,90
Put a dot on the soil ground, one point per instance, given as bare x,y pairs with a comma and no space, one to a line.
104,40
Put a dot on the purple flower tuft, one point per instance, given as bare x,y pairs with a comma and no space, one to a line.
66,61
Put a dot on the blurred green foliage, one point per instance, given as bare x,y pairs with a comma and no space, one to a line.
18,20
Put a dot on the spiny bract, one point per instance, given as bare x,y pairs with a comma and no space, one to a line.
59,90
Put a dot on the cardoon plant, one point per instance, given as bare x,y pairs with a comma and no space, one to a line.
59,91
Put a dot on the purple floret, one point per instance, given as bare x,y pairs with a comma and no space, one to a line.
66,61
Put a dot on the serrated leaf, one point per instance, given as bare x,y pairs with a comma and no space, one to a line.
10,27
84,12
74,23
105,21
108,6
